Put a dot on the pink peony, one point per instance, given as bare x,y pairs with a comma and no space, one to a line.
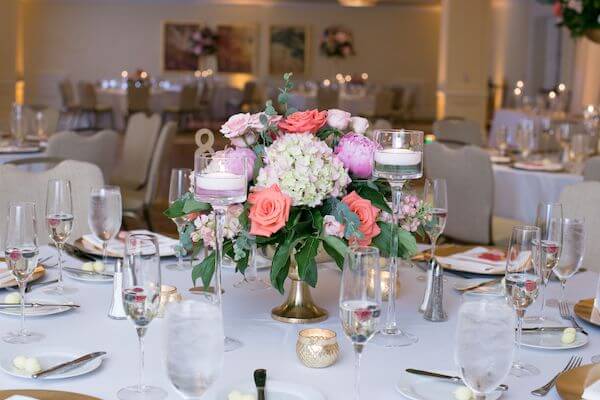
333,227
338,119
303,122
236,157
237,125
356,153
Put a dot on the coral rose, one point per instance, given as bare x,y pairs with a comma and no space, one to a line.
269,211
367,214
303,121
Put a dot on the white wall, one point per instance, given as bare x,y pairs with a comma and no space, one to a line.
8,41
98,39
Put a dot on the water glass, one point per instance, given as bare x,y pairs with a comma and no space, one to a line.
180,185
572,250
105,215
525,137
18,124
579,151
501,136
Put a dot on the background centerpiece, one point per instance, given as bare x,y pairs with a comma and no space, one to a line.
310,188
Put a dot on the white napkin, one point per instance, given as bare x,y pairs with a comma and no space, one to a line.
116,247
19,397
470,261
592,392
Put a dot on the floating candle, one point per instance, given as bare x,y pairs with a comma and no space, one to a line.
399,157
220,181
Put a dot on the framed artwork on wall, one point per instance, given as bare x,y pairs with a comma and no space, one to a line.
179,46
288,49
236,48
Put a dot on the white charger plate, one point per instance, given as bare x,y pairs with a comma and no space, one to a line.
417,387
551,341
110,268
47,359
40,311
276,390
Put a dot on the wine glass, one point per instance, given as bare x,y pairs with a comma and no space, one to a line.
180,185
399,158
550,220
220,182
141,299
18,124
251,281
59,221
195,345
572,249
21,255
522,281
105,215
525,137
360,301
484,347
502,140
579,151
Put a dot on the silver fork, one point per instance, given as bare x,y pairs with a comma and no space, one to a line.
574,362
565,313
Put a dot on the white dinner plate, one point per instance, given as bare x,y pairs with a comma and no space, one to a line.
551,341
110,268
276,390
500,159
539,166
47,359
40,311
417,387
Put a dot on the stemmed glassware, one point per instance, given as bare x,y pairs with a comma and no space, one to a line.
484,347
572,250
180,185
141,299
501,136
522,281
525,137
18,124
220,182
59,221
21,255
360,301
105,215
399,158
195,345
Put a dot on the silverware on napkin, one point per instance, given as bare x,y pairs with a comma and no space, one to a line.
89,273
36,305
69,365
480,284
260,380
547,329
456,379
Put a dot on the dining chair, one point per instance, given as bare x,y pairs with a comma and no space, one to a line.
581,200
470,179
458,132
205,100
327,97
70,110
19,185
138,98
138,202
101,149
591,169
141,135
89,106
187,107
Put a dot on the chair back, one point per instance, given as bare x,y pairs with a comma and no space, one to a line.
327,98
188,97
384,102
138,146
101,149
67,93
470,179
581,201
162,148
249,92
206,93
18,185
458,132
138,97
87,95
591,169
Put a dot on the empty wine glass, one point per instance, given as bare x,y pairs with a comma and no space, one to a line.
105,215
502,140
18,124
522,281
579,151
484,346
59,221
141,299
572,249
525,137
180,185
21,256
195,345
360,301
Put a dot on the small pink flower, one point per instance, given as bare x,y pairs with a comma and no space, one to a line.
53,222
356,153
256,125
237,125
14,255
333,227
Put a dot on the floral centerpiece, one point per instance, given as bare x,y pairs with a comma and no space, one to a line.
581,17
337,42
310,188
204,42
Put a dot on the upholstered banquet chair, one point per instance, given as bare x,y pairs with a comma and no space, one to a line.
89,106
101,149
327,97
591,169
384,103
187,107
470,180
19,185
70,111
583,200
138,98
458,132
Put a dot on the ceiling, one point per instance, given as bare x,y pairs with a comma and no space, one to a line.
260,2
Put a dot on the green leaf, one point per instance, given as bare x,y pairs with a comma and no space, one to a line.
264,120
336,248
205,270
281,265
342,213
406,246
305,257
175,209
374,196
317,220
191,205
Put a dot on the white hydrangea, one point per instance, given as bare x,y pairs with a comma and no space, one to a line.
305,169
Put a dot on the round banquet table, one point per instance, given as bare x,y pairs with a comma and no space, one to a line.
518,192
269,344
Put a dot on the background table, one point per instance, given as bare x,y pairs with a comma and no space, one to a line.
269,344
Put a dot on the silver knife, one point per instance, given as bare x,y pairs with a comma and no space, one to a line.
456,379
548,329
35,305
91,273
69,365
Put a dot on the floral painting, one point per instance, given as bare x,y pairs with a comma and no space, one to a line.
236,48
180,46
288,49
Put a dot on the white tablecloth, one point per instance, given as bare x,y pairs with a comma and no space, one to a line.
271,345
517,192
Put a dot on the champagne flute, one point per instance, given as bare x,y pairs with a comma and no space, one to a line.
525,137
59,221
501,136
141,299
21,255
195,345
522,281
360,301
435,196
399,158
549,219
220,182
484,347
572,250
105,215
180,185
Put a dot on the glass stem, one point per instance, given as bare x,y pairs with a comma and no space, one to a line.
433,241
59,247
563,289
22,286
543,308
391,324
141,332
105,252
520,315
180,253
219,222
251,273
358,348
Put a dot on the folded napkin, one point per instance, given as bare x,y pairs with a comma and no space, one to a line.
480,260
116,247
592,392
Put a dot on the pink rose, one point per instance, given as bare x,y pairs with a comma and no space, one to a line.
367,215
303,122
333,227
356,153
256,125
235,158
338,119
359,125
246,140
237,125
269,211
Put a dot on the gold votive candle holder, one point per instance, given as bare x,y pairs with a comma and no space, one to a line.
168,294
317,347
385,280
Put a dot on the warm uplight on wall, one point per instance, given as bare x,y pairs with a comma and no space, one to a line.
358,3
20,91
520,84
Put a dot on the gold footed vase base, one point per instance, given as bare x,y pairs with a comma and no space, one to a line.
299,307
